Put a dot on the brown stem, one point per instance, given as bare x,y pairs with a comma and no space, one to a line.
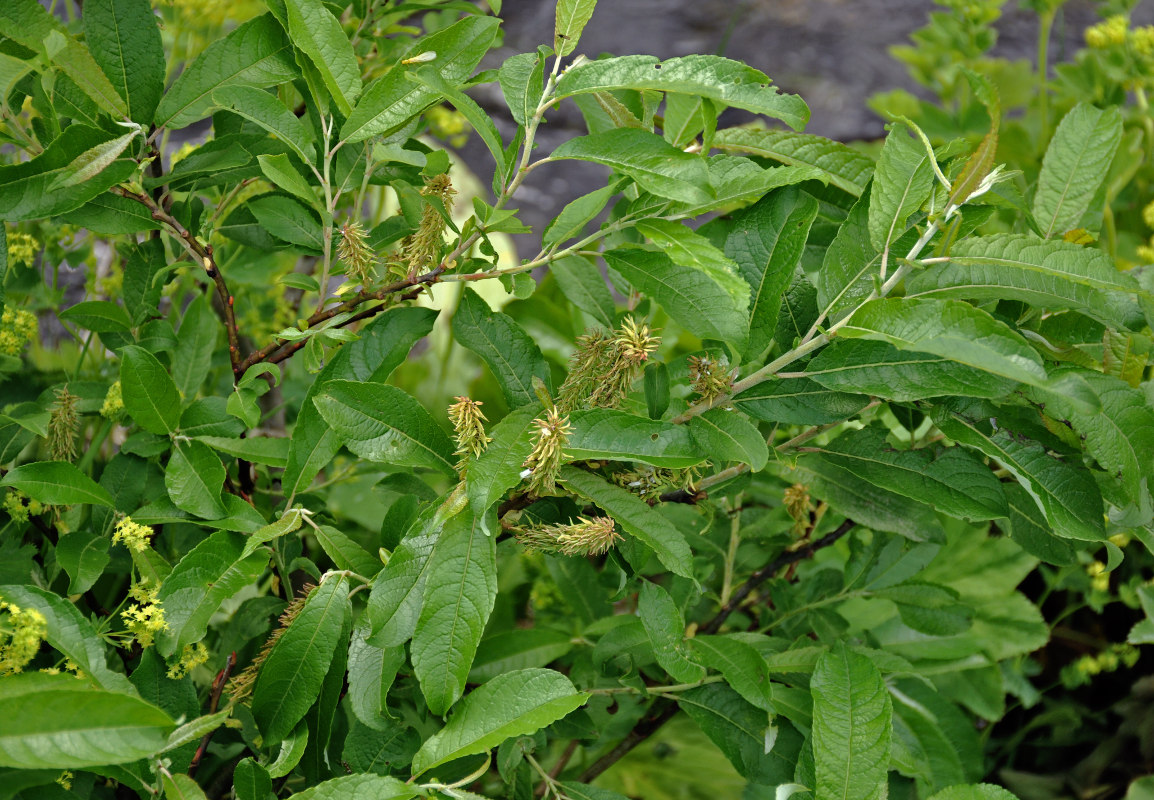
202,254
213,703
664,709
570,749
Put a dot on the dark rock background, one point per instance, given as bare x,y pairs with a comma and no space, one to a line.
834,53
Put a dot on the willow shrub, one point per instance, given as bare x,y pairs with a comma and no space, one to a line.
766,433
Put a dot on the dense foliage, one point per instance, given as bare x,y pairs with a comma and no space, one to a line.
312,487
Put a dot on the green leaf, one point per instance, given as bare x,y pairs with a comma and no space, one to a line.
799,401
1065,493
383,423
195,343
112,215
398,590
522,82
572,17
289,220
383,345
498,469
744,733
868,504
289,521
513,704
346,553
605,433
902,182
56,483
690,297
362,787
636,517
585,791
665,625
511,354
257,54
1030,531
180,787
583,285
194,478
24,186
207,576
842,166
98,316
271,452
974,791
951,329
690,249
742,666
459,593
76,61
62,722
291,677
879,368
69,632
949,479
657,166
91,162
1076,163
150,396
1049,274
727,82
728,436
851,726
84,557
251,781
476,116
267,111
195,729
319,35
371,672
517,649
392,100
766,240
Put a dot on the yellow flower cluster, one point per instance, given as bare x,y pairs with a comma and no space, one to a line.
605,365
145,617
354,252
20,508
191,657
1108,33
544,461
65,779
113,406
20,638
469,427
586,537
132,535
1079,672
1099,577
1143,40
711,377
22,249
17,328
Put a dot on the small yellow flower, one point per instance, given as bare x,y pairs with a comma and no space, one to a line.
145,617
113,407
469,427
711,377
132,535
22,249
1108,33
191,657
17,328
65,779
20,636
1148,209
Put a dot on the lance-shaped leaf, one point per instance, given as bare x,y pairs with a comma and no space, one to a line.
59,722
498,469
371,673
841,165
208,575
879,368
289,220
949,479
56,483
980,163
383,423
1050,274
1066,494
665,625
690,249
657,166
398,590
584,286
362,787
744,668
604,433
519,648
124,38
951,329
1074,169
392,100
24,186
572,17
636,517
291,677
460,590
725,435
513,704
319,35
522,82
798,401
766,241
691,297
257,54
511,354
267,111
727,82
194,478
150,396
91,162
851,726
902,182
